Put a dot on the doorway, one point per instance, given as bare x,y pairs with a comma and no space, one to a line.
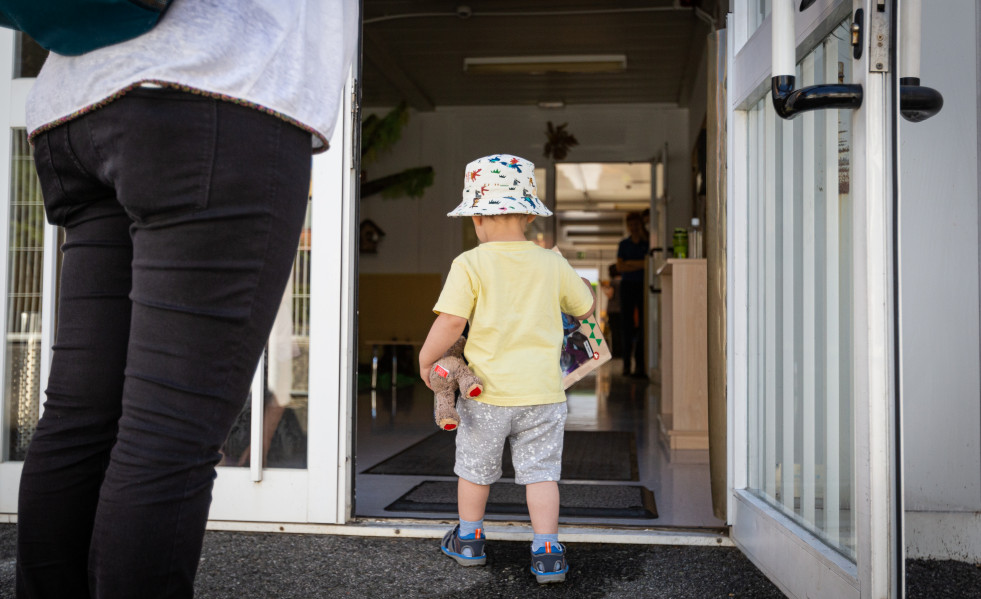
456,110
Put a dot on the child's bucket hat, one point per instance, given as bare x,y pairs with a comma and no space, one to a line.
500,184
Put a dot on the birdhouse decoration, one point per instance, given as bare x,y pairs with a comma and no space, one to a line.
371,235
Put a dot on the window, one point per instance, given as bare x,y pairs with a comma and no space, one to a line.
25,251
800,404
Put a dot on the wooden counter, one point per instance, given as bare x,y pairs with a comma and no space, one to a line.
684,353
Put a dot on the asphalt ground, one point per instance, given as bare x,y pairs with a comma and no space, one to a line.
260,565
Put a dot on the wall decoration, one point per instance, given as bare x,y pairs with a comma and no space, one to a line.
370,236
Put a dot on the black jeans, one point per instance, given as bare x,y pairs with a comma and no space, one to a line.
631,298
182,215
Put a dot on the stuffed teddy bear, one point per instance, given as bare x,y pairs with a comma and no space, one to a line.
447,374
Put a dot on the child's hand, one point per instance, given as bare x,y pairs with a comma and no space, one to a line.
424,370
446,329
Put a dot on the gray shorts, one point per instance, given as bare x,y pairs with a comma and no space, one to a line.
535,433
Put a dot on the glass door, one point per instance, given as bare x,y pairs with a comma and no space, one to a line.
300,409
815,495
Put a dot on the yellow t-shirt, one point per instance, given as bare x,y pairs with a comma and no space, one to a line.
513,293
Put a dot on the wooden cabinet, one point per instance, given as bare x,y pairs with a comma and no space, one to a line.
684,354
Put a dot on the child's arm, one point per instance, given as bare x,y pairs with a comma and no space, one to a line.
443,334
591,308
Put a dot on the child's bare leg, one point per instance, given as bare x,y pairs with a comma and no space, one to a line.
472,500
465,541
543,506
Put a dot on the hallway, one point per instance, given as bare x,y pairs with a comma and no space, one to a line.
394,420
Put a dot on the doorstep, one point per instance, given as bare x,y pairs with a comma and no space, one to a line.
503,530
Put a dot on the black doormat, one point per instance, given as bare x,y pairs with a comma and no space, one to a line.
575,500
586,455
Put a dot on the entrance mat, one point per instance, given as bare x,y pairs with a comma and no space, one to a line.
575,500
586,455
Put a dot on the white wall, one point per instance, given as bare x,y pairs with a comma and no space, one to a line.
940,295
420,238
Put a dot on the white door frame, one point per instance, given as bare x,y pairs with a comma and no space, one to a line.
797,561
13,114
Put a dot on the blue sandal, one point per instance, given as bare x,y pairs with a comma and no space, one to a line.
466,552
548,564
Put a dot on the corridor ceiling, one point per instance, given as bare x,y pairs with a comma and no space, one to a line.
414,50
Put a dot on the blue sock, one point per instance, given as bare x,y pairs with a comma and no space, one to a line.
468,529
539,541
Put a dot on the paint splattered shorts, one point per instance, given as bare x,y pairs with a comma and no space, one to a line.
535,433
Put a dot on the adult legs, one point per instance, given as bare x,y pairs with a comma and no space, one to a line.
67,458
631,300
616,332
216,194
206,287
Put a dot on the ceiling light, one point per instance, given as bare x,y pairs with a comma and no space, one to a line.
551,104
538,65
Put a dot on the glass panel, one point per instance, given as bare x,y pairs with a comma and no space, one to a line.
287,374
800,302
29,56
22,368
757,13
542,230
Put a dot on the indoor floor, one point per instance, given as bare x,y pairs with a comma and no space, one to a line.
390,421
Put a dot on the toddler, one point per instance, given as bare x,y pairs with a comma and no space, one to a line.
513,294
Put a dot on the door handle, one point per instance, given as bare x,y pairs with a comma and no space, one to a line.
916,102
787,101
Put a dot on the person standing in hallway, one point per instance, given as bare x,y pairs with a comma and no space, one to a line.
178,164
631,261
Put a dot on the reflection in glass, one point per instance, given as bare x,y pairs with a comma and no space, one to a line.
758,11
29,56
542,230
25,250
286,374
800,302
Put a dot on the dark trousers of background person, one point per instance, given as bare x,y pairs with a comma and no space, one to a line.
182,216
632,344
616,332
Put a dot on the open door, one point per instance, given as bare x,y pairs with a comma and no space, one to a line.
300,413
815,444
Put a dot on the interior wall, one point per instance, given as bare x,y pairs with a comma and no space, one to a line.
941,385
420,238
698,104
697,109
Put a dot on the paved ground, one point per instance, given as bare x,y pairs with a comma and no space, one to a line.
287,566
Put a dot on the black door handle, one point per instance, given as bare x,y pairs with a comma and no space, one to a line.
916,102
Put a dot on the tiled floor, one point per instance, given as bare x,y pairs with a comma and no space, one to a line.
390,421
